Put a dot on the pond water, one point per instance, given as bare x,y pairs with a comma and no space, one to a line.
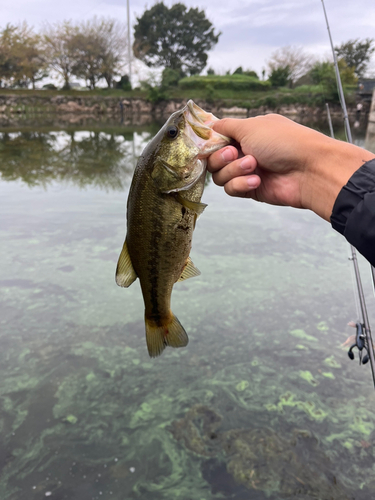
263,402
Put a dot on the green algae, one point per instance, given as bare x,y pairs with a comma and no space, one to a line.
322,326
288,399
301,334
308,376
72,419
241,386
328,375
301,347
332,362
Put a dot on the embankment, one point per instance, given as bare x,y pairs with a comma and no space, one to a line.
23,109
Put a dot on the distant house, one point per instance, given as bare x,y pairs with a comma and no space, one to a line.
366,87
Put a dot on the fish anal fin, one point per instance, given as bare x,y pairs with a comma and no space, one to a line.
125,274
168,332
189,271
197,207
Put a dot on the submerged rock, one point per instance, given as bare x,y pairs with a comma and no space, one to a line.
260,459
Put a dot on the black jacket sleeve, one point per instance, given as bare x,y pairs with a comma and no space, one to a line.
353,213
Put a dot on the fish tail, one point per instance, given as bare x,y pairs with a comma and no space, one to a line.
159,334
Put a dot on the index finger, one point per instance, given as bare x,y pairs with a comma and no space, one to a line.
221,158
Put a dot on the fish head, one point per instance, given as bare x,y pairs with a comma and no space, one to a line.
181,146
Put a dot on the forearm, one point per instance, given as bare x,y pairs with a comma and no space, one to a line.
328,171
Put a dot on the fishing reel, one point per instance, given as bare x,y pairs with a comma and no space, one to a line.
360,344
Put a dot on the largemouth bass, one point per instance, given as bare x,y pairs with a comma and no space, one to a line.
163,205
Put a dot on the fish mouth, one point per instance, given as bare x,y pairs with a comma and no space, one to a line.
199,129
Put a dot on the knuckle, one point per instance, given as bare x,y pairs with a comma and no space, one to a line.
216,179
231,189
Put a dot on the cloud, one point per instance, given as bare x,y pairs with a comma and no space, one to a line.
251,29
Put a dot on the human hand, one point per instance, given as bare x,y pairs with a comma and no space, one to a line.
284,164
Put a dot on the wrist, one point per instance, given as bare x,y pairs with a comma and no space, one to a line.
328,171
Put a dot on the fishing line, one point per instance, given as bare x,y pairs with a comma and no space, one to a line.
363,337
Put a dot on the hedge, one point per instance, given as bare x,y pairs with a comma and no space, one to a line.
229,82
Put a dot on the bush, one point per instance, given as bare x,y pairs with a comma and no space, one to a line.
280,76
170,77
49,86
124,83
229,82
248,72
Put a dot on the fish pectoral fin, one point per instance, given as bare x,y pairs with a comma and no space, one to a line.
197,207
125,274
189,271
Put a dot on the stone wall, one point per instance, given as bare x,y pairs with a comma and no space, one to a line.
16,109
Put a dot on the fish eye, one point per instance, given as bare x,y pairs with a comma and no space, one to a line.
172,132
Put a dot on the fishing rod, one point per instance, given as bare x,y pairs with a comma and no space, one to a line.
363,339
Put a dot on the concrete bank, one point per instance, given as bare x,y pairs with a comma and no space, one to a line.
20,109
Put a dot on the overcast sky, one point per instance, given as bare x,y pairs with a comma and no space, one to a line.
251,29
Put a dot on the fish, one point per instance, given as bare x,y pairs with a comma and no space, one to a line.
163,205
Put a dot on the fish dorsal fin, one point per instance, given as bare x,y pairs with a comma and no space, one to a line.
189,271
125,274
197,207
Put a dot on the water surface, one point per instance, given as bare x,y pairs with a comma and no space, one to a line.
262,403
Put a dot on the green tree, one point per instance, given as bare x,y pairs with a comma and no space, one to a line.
323,73
32,59
280,76
357,54
21,56
174,37
9,62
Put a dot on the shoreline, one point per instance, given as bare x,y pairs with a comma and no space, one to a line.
18,110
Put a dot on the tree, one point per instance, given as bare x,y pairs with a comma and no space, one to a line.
98,48
357,54
112,37
8,59
298,62
90,50
88,56
174,37
32,60
58,49
21,56
323,73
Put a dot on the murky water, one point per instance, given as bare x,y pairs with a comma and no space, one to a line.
263,403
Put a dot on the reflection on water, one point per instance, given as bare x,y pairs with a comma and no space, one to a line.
263,403
96,158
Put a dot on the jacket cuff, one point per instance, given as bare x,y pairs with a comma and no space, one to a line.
349,202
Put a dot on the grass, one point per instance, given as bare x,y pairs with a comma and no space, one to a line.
310,95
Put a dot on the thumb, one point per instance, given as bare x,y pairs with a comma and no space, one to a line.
230,127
